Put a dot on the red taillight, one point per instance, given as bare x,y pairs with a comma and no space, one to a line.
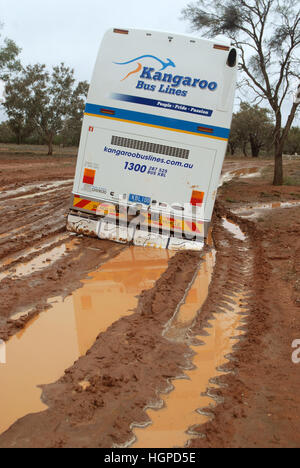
121,31
197,198
205,129
221,47
107,111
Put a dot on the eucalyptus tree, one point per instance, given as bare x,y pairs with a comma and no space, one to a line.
41,100
267,34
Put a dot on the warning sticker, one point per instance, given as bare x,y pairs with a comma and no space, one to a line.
89,176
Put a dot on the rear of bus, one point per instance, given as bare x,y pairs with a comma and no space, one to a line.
154,137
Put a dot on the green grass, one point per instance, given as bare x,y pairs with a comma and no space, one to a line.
36,150
229,200
291,181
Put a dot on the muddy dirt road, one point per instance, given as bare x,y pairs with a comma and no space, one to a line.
109,345
38,258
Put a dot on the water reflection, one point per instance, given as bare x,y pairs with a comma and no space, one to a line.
169,425
52,341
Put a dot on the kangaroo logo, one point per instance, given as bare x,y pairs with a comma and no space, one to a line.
164,65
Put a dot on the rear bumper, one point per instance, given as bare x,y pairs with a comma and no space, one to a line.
131,232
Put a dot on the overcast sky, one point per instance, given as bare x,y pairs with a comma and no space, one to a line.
70,31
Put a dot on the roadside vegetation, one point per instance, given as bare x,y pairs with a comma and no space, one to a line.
42,106
267,35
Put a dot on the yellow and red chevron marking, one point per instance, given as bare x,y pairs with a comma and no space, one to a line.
195,227
174,224
89,205
100,208
107,209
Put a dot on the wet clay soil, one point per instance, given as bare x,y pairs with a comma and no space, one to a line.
38,259
125,368
262,400
99,398
54,339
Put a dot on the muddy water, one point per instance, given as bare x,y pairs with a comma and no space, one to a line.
42,261
172,425
255,210
41,188
244,173
187,311
52,341
34,250
234,229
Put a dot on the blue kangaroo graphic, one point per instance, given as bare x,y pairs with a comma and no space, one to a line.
168,63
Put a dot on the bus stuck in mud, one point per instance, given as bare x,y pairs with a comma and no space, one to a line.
154,137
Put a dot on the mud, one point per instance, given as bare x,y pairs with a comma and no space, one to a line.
55,339
128,364
258,209
260,405
38,259
234,229
135,362
172,425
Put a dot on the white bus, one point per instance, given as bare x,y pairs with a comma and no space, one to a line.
154,137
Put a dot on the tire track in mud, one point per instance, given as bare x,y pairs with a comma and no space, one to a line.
130,348
234,277
25,213
29,293
227,390
31,231
184,410
131,364
32,190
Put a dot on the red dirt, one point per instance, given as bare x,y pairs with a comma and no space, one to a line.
261,407
131,362
35,222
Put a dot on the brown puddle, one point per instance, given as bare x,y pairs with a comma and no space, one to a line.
255,210
52,341
33,250
192,303
244,173
234,229
172,425
248,172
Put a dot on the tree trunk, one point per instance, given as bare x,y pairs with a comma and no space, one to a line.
245,149
280,139
50,145
278,168
278,160
254,147
232,149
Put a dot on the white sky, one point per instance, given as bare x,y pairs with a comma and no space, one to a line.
70,31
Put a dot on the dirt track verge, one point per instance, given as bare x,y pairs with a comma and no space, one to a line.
130,364
126,367
261,397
